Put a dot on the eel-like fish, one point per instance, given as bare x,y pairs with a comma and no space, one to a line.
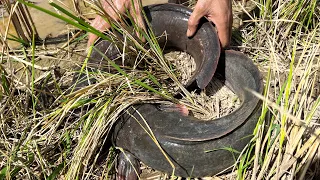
196,148
193,147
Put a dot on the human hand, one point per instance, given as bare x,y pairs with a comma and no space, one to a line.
217,11
113,8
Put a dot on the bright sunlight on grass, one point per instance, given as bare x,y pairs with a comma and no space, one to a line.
52,128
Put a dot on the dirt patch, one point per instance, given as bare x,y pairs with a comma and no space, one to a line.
47,59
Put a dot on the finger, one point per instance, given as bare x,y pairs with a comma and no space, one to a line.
100,24
193,21
224,30
138,18
113,10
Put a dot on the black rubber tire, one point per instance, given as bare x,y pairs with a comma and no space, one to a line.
186,139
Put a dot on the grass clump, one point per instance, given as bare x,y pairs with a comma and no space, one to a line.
282,39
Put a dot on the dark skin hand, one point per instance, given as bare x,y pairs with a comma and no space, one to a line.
217,11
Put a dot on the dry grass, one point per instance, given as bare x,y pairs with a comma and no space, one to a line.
216,100
283,40
48,132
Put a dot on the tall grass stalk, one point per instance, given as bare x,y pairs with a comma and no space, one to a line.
285,141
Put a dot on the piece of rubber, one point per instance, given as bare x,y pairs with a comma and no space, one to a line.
172,20
196,148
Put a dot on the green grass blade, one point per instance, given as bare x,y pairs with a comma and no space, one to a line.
56,172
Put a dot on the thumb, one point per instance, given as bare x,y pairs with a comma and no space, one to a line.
100,24
224,29
194,21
